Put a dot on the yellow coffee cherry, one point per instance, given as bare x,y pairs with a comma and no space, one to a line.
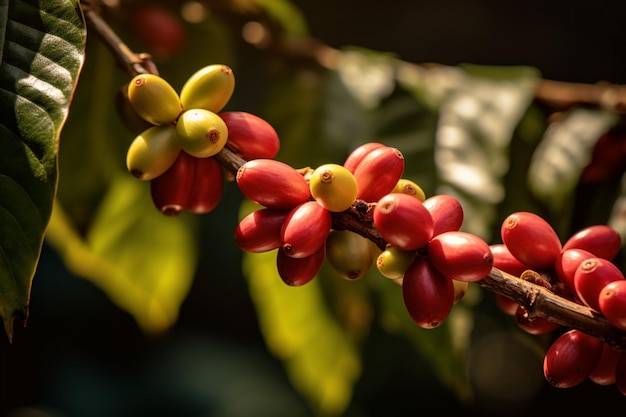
349,254
333,187
409,187
209,88
152,152
393,262
154,99
201,133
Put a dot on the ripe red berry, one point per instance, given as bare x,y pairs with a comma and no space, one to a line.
159,29
531,239
505,261
604,371
428,295
305,229
208,186
566,265
571,358
170,191
272,184
601,240
403,221
378,173
357,155
612,303
446,211
250,136
536,326
591,276
299,271
259,231
460,255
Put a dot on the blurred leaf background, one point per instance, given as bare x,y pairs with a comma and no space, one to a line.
137,314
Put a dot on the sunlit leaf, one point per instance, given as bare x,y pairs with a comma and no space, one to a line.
564,152
42,54
144,261
319,356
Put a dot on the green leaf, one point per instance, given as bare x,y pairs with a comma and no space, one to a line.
299,329
144,261
42,50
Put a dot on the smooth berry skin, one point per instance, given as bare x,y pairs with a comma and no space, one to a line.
601,240
305,229
531,239
591,276
250,136
446,211
296,272
403,221
208,186
272,184
259,231
460,255
536,326
357,155
505,261
612,303
571,358
604,371
171,190
378,173
428,295
566,265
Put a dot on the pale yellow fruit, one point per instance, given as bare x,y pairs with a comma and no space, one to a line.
154,99
152,152
201,133
209,88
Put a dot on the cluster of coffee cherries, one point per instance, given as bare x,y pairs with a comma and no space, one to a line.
580,270
175,153
424,250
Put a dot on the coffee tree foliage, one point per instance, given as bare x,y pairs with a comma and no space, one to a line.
479,133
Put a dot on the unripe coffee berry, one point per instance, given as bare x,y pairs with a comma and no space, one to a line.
209,88
154,99
333,187
152,152
201,133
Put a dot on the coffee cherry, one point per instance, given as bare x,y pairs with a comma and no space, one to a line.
460,255
591,276
250,136
305,229
208,186
531,239
152,152
612,303
333,187
566,265
446,212
378,172
428,296
571,358
506,305
535,326
601,240
357,155
129,117
393,261
259,231
299,271
403,221
154,99
604,371
201,133
505,261
158,28
409,187
209,88
349,254
460,289
171,190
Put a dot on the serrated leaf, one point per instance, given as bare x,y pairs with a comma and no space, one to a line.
563,153
42,49
321,359
144,261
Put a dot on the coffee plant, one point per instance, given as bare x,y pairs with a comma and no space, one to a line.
405,213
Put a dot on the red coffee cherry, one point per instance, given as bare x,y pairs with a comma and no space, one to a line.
505,261
531,239
357,155
446,211
604,371
566,265
571,358
299,271
159,29
428,295
612,303
208,186
535,326
272,184
170,191
591,276
250,136
460,255
601,240
259,231
403,221
378,173
305,229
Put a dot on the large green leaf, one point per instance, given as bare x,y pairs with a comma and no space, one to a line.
42,49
